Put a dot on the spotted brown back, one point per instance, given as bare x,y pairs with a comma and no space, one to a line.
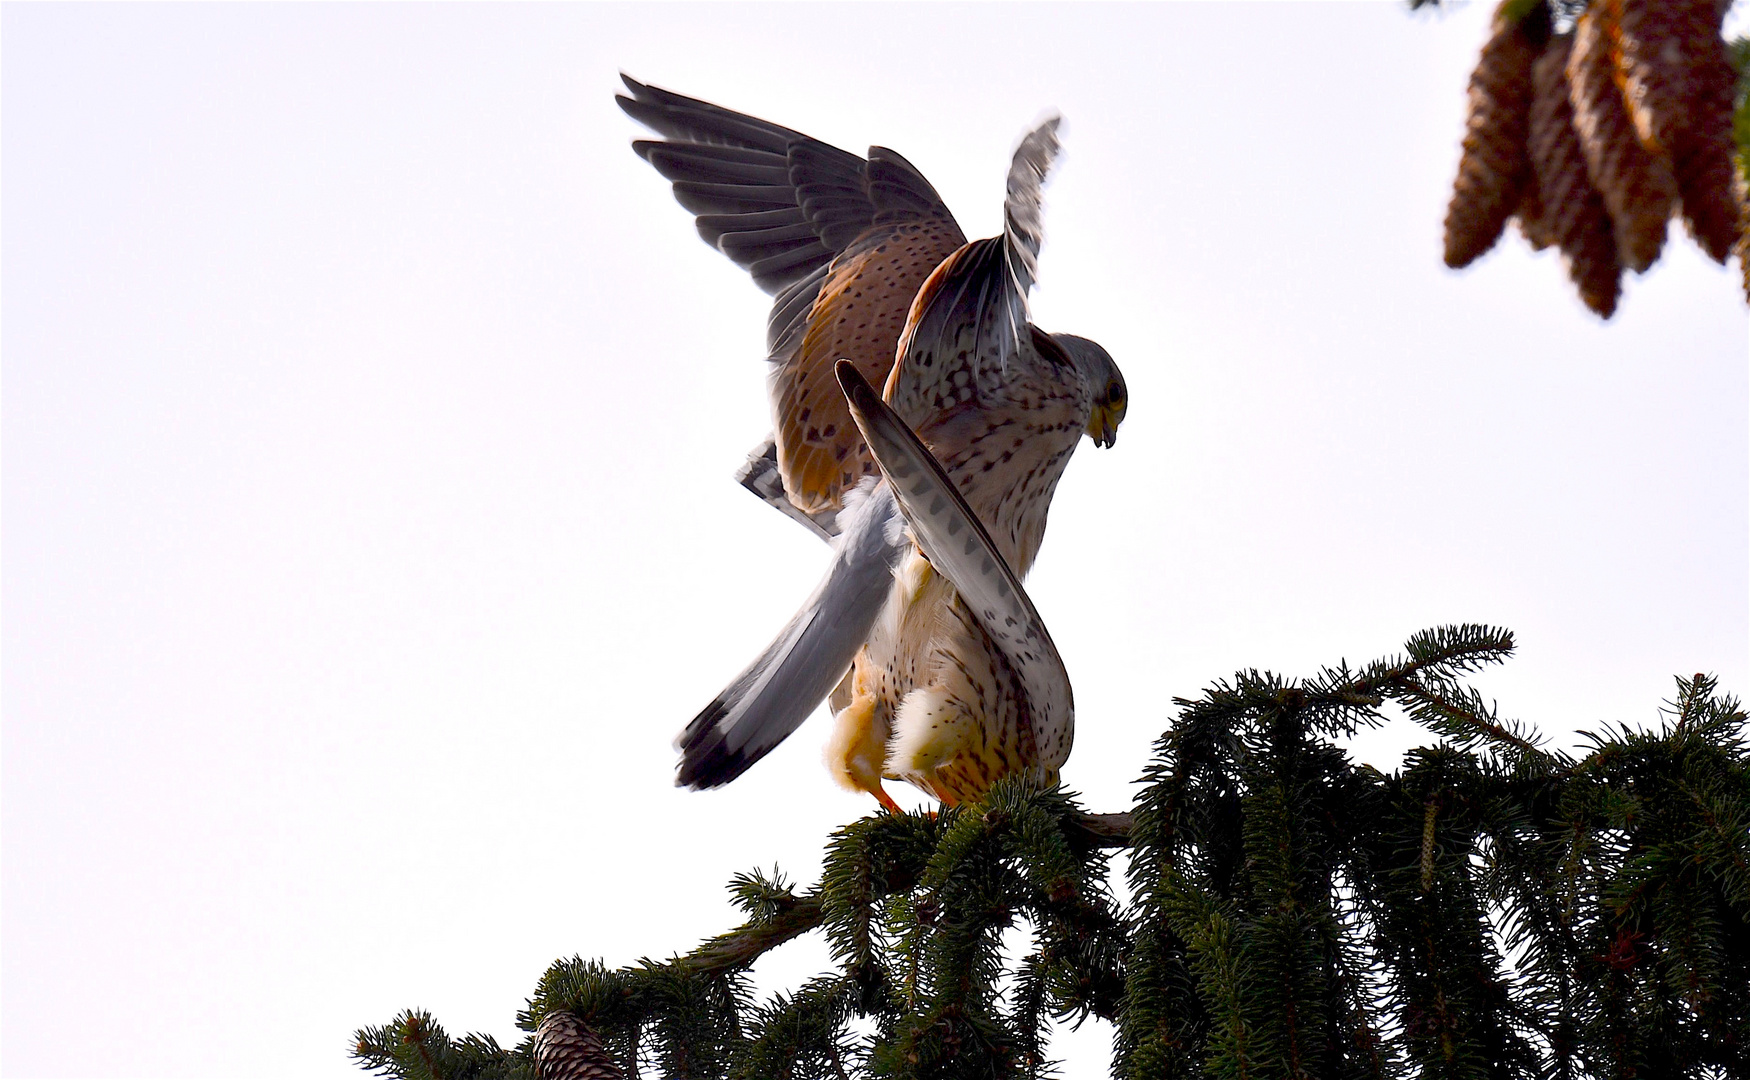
858,315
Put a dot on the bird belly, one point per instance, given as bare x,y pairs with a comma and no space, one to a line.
929,681
953,712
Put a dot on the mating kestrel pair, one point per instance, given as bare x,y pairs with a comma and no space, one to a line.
934,491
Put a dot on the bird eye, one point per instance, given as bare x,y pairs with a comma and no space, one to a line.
1115,392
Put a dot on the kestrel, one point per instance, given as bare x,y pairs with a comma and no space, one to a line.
869,267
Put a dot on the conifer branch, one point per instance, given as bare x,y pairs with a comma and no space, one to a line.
740,947
1486,910
1444,714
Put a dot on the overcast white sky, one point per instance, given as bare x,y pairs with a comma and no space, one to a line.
370,410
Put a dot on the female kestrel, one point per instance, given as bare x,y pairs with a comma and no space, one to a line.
869,268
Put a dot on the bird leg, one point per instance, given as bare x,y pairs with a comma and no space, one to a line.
886,800
858,747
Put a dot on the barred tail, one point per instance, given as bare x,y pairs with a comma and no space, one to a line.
796,672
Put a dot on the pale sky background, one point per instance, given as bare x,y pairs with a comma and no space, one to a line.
370,410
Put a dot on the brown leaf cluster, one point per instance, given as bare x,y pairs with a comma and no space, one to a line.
1595,137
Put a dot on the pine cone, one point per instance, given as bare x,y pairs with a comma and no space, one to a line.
1702,157
567,1049
1651,65
1532,224
1662,49
1638,187
1742,249
1573,214
1494,170
1677,83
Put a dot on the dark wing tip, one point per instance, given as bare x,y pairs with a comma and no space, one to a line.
709,772
856,388
705,761
640,95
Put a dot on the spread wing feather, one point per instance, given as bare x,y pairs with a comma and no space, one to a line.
972,311
1023,229
842,242
778,203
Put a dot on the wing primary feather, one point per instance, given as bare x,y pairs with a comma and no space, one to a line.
737,173
899,191
703,197
977,299
749,247
773,272
1023,229
759,474
788,321
715,164
695,120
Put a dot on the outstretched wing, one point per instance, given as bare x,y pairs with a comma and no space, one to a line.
970,322
733,172
841,241
959,547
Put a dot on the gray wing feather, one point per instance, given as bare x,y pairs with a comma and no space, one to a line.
958,546
1023,230
778,691
759,474
974,310
779,203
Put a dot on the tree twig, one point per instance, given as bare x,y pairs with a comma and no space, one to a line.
744,945
1107,830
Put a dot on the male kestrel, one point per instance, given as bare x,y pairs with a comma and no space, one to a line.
952,685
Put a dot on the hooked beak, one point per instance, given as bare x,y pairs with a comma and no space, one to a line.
1103,425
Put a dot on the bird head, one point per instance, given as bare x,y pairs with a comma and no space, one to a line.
1104,379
